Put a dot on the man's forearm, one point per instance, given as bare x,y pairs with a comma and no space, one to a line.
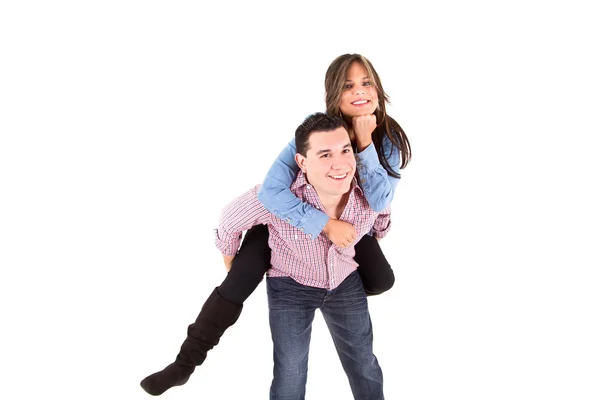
382,224
228,260
240,215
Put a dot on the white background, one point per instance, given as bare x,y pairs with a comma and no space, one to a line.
126,126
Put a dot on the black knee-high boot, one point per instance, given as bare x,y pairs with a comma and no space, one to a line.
220,311
216,316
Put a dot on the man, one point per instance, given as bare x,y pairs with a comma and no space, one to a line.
309,273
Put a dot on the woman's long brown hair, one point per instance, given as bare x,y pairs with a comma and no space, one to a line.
335,80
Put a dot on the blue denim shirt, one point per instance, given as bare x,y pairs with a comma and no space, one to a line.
377,185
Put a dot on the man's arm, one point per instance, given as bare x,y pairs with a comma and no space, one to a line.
228,261
382,224
241,214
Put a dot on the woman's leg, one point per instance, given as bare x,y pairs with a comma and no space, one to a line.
219,312
249,266
373,268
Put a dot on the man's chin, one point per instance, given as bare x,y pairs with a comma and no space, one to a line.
340,190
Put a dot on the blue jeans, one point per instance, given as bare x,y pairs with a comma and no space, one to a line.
291,312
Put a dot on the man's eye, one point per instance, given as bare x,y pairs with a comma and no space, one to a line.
346,151
325,155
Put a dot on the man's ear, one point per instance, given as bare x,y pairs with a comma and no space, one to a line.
301,161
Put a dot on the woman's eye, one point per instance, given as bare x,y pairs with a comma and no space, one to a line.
367,83
347,86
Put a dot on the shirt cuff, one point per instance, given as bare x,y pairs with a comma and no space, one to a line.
313,223
367,159
227,244
383,232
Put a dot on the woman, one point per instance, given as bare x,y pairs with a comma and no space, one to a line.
353,91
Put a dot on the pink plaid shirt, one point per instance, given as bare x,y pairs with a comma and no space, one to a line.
318,263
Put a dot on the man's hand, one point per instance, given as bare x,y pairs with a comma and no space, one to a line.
363,126
228,260
341,233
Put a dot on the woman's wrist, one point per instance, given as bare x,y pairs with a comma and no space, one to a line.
362,145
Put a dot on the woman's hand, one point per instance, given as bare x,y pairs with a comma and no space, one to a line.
363,127
341,233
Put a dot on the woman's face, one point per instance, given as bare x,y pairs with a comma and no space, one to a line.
359,96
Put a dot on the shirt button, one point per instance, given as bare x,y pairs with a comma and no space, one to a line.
301,229
288,220
309,236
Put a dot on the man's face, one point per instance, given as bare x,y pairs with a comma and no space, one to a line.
329,163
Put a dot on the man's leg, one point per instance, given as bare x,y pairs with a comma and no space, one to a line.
291,313
347,316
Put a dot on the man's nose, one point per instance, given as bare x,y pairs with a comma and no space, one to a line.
338,162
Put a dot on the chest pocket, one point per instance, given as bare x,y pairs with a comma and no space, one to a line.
293,238
290,234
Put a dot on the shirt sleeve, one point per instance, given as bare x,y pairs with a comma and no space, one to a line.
382,224
377,185
241,214
276,196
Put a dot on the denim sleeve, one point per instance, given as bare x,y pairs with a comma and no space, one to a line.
377,185
276,196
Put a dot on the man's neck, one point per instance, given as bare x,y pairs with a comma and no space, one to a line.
334,205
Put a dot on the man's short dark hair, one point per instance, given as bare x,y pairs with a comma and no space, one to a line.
317,122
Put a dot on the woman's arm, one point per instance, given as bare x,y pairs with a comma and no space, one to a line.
276,196
377,185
